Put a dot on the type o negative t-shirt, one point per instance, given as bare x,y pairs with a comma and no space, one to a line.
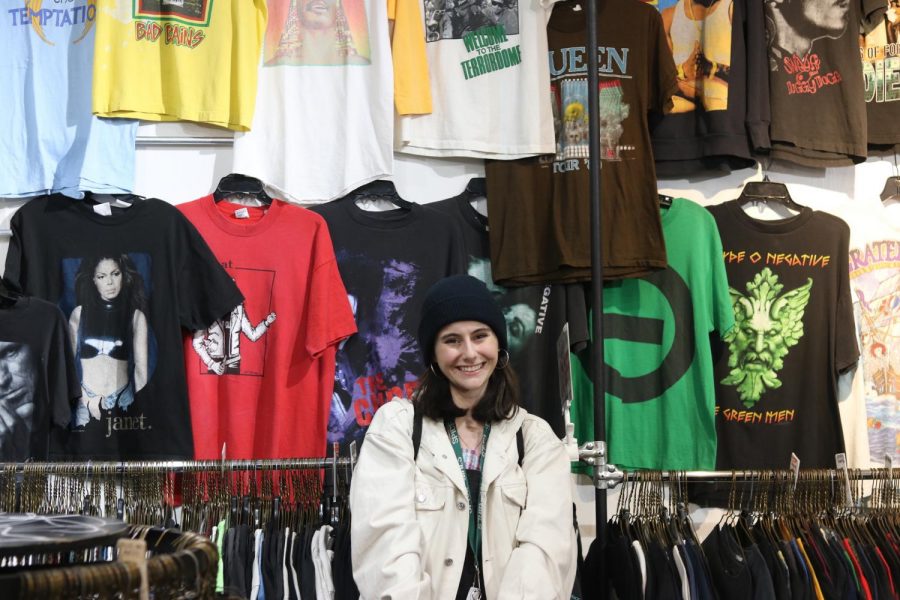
540,207
776,379
37,378
127,283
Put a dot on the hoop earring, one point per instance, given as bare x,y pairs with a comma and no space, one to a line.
502,364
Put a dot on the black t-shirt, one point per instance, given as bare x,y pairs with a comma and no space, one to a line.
730,572
535,316
37,378
387,260
816,81
763,585
776,380
721,112
128,284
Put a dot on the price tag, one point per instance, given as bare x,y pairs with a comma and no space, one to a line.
135,552
242,213
564,367
795,468
103,209
888,462
840,462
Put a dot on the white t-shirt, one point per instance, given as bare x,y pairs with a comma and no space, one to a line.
875,285
324,110
490,78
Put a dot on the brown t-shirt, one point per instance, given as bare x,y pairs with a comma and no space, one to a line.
880,51
815,80
539,208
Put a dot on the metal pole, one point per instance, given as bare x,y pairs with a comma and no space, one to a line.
597,362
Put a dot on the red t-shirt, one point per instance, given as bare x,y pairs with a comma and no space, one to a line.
260,378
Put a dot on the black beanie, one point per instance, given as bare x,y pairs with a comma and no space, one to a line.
458,298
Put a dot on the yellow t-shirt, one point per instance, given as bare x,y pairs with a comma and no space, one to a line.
171,60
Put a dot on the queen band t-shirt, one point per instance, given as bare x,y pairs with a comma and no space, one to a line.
540,207
127,282
776,378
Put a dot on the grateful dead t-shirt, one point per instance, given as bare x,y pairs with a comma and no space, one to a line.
776,377
540,207
127,282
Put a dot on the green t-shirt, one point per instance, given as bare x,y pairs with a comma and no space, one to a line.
660,399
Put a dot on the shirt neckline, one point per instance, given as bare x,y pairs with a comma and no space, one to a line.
386,219
119,215
237,227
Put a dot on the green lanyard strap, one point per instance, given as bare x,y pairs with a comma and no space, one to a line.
474,515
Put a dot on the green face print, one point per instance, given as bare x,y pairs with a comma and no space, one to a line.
766,324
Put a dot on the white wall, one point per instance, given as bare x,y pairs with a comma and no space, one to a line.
182,173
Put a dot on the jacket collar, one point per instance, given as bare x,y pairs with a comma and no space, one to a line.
501,450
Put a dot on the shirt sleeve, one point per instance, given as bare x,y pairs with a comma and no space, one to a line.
722,308
63,387
14,271
663,74
205,290
412,90
329,317
758,107
846,350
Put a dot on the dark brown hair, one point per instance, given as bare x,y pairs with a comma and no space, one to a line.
500,400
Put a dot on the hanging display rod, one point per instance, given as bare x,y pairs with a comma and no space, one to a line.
184,141
73,468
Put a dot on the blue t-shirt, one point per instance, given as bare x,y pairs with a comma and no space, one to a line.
50,141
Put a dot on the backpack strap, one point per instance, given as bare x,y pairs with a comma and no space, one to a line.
417,431
520,445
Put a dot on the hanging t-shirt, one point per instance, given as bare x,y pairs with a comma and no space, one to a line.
328,84
875,282
50,140
540,207
815,80
177,60
535,316
127,282
482,55
387,260
776,380
260,378
880,51
37,378
721,110
660,400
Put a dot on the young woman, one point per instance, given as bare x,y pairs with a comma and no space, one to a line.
109,331
459,517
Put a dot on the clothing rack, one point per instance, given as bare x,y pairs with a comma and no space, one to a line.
89,467
184,141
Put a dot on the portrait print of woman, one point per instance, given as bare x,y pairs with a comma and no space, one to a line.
318,33
109,332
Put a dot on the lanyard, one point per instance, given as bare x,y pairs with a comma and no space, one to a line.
474,517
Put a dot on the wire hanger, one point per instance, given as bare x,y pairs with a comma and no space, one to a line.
891,190
768,191
238,184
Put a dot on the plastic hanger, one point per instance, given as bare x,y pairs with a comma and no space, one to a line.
665,201
238,184
477,186
768,191
891,190
381,189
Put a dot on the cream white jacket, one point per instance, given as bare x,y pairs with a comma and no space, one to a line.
410,519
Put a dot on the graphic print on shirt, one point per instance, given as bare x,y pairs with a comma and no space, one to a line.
382,359
316,33
875,280
795,29
172,22
236,344
470,19
767,324
523,321
699,35
568,88
47,19
673,328
18,365
106,297
881,57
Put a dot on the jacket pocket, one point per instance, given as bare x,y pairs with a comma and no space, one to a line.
429,498
513,503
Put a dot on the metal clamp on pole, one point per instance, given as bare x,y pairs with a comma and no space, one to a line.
606,476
